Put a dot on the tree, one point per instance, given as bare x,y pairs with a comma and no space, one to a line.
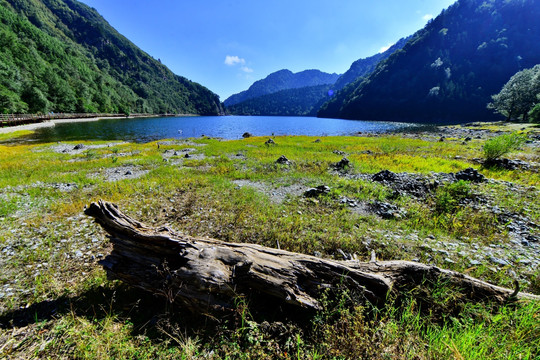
534,114
519,95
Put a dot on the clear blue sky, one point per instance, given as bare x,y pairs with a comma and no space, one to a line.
226,45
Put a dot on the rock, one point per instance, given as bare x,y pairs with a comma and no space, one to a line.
509,164
318,191
386,210
187,156
78,147
471,175
247,135
342,164
128,172
498,261
348,202
338,152
317,141
270,142
283,160
384,176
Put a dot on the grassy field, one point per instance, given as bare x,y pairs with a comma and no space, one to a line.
56,301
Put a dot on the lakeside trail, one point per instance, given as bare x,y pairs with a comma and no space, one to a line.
410,196
51,123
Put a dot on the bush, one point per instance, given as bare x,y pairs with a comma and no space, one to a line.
449,197
534,114
502,145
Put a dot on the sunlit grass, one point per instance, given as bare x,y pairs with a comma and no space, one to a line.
200,196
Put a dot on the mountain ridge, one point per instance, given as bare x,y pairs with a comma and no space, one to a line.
448,71
282,80
63,56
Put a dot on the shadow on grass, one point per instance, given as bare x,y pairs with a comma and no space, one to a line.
138,307
150,314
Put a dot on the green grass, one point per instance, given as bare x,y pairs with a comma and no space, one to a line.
51,250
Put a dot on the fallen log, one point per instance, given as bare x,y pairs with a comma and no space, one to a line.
207,274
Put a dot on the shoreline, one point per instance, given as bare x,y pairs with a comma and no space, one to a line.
52,123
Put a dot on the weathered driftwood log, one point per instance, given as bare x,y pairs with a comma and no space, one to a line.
207,274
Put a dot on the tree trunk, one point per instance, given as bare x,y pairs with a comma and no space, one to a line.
206,274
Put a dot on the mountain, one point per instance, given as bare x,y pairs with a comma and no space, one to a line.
290,102
62,56
364,67
301,101
448,71
282,80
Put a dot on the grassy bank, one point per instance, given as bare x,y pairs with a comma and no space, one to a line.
56,302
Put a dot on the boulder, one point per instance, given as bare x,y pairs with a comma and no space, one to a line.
317,191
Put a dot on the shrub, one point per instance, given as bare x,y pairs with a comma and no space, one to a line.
449,197
534,114
502,145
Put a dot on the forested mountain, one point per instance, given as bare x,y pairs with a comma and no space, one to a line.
364,67
301,101
282,80
62,56
448,70
290,102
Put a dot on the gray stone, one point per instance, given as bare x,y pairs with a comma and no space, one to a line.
283,160
318,191
498,261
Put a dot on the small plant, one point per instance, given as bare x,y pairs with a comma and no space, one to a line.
448,197
90,154
502,145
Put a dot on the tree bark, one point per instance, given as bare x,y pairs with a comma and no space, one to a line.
207,274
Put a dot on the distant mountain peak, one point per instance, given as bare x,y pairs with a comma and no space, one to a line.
282,80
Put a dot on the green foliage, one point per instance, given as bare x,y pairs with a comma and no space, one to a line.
363,67
534,114
448,197
501,145
62,56
519,95
448,70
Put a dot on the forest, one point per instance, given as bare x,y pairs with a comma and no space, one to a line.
62,56
450,69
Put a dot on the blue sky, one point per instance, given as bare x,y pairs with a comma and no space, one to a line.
226,45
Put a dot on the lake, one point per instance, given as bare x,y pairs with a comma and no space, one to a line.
227,127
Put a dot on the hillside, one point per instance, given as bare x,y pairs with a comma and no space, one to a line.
282,80
448,70
290,102
302,101
363,67
62,56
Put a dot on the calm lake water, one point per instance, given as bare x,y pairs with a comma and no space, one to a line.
227,127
